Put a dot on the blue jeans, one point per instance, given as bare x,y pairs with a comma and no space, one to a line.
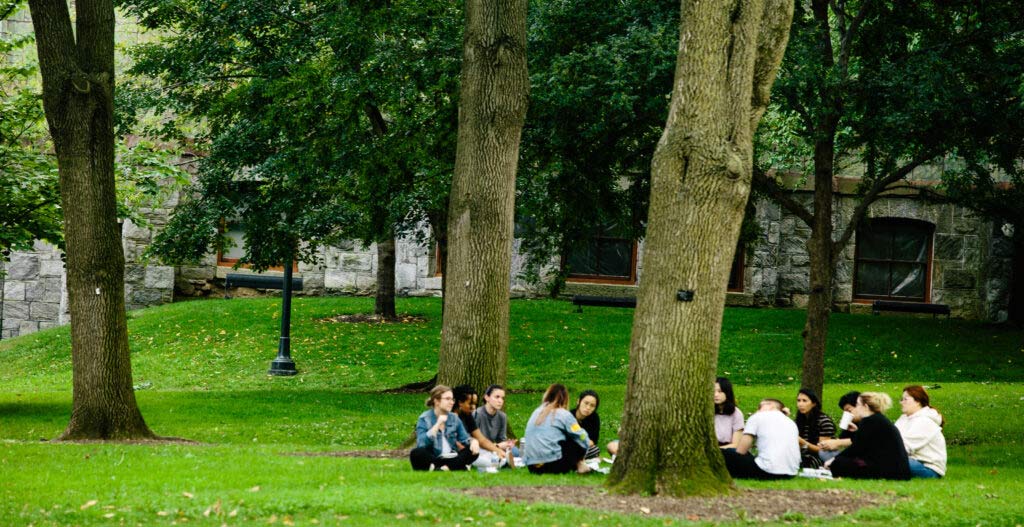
918,470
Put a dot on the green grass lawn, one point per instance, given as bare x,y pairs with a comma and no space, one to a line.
204,368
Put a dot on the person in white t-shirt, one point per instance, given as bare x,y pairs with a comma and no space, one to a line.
776,438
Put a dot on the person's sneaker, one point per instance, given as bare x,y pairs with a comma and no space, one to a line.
445,468
431,469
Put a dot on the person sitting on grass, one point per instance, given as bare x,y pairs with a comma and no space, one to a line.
876,450
921,429
813,425
829,448
585,413
493,423
778,454
465,405
442,442
728,418
555,443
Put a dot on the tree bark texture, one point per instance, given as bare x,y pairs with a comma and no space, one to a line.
820,246
492,110
729,52
78,86
385,300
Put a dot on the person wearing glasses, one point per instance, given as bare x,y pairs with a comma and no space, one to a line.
442,442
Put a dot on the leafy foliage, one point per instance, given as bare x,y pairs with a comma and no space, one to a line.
321,120
30,207
908,84
599,100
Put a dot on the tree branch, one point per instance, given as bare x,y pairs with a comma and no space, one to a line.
847,37
772,37
781,195
872,195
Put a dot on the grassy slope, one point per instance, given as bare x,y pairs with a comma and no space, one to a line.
210,386
229,345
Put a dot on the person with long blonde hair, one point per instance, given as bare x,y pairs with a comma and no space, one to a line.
877,450
554,442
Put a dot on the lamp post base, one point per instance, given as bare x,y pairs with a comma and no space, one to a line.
282,366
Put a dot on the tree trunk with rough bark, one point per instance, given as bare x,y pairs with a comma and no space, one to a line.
700,180
78,95
384,305
819,249
492,110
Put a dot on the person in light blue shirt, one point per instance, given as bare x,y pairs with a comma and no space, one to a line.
441,440
555,443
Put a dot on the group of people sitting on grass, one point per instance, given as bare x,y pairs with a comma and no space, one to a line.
869,446
560,440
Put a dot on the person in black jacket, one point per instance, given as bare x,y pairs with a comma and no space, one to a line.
585,413
877,450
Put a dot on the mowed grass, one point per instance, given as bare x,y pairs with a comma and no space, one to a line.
228,344
203,366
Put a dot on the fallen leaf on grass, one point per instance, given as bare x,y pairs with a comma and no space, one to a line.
88,504
161,513
233,513
188,495
108,515
255,489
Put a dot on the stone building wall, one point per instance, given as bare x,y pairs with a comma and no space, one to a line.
971,267
971,258
34,291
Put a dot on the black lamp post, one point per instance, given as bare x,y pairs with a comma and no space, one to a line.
283,363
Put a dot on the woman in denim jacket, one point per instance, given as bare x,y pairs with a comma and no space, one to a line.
441,440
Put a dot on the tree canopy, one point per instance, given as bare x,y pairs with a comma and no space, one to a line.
319,121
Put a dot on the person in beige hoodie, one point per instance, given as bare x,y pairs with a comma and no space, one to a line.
921,428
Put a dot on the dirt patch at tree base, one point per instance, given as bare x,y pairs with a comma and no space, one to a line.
759,505
363,318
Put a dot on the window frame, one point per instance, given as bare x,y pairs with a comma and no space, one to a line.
889,224
589,278
230,263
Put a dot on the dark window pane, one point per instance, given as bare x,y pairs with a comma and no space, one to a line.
873,279
582,259
908,281
736,272
615,258
910,245
874,245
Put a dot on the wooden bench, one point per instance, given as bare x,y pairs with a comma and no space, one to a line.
257,281
602,301
909,307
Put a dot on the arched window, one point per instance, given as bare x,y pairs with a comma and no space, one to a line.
893,260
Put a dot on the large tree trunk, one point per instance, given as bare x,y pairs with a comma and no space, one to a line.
78,89
385,301
700,181
492,109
